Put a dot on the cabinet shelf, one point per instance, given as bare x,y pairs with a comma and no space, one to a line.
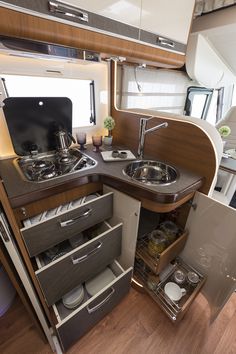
175,310
157,264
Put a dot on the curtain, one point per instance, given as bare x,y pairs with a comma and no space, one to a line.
155,89
206,6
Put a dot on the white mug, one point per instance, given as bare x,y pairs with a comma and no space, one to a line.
174,291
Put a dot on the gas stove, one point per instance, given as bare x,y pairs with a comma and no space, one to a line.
50,165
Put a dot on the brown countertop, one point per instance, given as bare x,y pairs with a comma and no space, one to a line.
21,192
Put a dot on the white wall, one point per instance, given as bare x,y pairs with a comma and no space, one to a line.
37,67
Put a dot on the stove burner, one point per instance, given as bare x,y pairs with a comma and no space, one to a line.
40,164
48,173
66,159
55,164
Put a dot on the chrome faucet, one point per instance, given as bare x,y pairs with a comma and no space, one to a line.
143,131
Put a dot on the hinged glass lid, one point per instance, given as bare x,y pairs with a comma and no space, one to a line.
33,122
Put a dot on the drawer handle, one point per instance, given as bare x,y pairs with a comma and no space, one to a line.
95,308
60,8
70,222
86,256
166,42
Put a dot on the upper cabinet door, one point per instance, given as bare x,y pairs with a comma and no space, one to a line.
127,11
167,18
211,249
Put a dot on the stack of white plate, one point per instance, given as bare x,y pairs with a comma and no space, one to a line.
94,285
74,297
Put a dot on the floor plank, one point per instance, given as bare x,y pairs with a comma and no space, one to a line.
135,326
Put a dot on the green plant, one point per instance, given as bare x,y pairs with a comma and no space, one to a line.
224,131
109,124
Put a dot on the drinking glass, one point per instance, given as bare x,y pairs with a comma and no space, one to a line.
81,140
97,142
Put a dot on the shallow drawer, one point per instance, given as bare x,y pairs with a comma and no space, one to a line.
80,264
74,324
47,233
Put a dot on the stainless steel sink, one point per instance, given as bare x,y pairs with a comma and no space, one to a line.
151,172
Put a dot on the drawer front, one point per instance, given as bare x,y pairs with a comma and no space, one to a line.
61,276
76,326
46,234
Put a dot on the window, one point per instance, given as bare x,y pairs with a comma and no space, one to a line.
81,93
197,102
204,103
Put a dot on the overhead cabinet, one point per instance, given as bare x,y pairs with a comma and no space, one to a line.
160,23
166,23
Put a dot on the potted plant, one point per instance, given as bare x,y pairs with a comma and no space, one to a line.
108,124
224,131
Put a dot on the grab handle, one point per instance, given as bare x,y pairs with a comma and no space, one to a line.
95,308
86,256
70,222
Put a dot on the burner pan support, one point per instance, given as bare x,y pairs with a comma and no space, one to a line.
51,165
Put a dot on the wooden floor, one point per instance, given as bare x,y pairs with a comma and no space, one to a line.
136,326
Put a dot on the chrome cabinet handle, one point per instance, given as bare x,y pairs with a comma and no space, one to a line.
86,256
95,308
165,41
70,222
63,9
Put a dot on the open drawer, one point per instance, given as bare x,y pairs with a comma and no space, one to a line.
46,233
72,324
155,287
157,264
74,266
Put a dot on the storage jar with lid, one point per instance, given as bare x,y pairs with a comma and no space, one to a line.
156,243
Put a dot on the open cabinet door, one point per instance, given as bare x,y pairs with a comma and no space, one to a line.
126,210
211,249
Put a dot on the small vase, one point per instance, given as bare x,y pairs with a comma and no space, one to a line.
107,140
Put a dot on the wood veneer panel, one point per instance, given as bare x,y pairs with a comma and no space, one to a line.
20,243
181,143
13,276
18,24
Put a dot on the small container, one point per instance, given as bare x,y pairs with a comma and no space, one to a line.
152,281
157,243
193,278
115,153
179,277
170,229
123,155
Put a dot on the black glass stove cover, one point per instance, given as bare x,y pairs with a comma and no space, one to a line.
33,121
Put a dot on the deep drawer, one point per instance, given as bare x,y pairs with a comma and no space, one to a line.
80,264
45,234
74,324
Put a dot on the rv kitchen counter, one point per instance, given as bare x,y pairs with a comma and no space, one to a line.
21,192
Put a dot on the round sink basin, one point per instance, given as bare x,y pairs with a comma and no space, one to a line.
151,172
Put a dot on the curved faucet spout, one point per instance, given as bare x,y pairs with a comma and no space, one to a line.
143,131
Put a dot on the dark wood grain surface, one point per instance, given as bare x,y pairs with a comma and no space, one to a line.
21,192
63,275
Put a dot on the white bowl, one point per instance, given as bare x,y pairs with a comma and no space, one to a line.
74,297
94,285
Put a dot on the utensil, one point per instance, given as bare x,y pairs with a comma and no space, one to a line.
97,142
174,291
64,140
